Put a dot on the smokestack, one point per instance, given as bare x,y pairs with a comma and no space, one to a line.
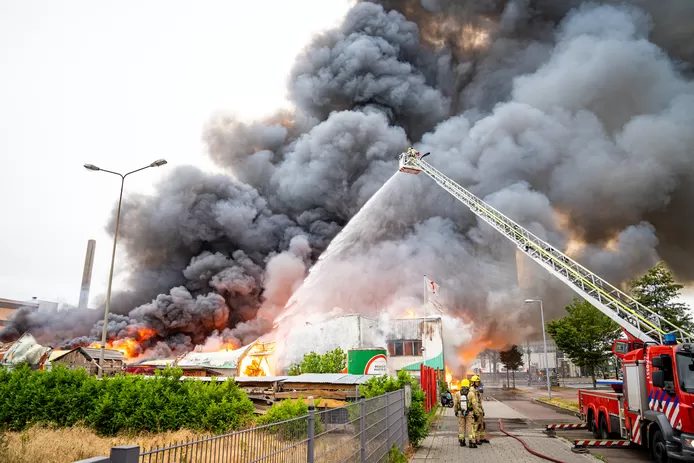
87,275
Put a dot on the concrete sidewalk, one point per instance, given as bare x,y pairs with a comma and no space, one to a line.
442,444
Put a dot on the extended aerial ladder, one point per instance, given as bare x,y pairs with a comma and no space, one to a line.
636,319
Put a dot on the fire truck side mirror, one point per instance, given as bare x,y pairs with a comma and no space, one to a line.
658,378
657,362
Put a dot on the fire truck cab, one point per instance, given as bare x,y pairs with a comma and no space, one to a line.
654,407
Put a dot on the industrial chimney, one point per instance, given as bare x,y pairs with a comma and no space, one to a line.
87,275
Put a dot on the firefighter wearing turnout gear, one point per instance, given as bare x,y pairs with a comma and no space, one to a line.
479,427
461,407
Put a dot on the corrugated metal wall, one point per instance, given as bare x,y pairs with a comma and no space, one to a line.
411,328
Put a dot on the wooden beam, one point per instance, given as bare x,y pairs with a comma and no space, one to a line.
328,403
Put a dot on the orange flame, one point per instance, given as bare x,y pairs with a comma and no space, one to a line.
449,378
255,368
409,313
256,361
144,334
228,346
129,347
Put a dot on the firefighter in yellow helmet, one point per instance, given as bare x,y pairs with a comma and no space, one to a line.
480,431
473,404
463,410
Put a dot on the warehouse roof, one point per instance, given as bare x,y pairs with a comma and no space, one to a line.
328,378
93,353
221,359
260,379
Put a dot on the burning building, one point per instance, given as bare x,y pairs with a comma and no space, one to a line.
25,350
573,118
222,363
411,341
251,360
403,340
254,359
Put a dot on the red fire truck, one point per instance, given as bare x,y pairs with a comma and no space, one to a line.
653,406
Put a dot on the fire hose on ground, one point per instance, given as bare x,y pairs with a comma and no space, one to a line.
537,454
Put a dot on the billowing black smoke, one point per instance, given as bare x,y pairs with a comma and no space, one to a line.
573,118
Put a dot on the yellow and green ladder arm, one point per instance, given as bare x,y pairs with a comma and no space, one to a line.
637,319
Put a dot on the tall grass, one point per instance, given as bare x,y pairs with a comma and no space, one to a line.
64,445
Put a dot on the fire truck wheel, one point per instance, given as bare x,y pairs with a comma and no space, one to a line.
602,430
593,425
658,450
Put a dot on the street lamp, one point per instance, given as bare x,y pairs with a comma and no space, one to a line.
157,163
544,338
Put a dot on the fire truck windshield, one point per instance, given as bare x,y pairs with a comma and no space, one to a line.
685,370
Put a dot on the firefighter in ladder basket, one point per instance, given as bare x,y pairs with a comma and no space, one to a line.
463,411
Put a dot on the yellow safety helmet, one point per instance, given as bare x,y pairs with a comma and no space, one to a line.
475,379
465,383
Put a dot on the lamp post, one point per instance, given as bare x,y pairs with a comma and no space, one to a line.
157,163
544,339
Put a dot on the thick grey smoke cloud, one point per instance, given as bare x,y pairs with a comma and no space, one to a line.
572,118
586,146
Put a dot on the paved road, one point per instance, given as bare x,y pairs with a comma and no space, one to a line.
525,419
442,445
541,416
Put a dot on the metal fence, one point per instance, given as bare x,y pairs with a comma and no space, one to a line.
361,432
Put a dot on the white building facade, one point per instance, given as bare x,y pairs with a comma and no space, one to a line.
405,340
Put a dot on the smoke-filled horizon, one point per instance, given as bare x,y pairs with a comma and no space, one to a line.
572,118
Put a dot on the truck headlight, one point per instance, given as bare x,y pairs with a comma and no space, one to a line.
687,440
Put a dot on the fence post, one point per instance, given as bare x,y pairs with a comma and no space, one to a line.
403,419
389,425
311,430
125,454
362,425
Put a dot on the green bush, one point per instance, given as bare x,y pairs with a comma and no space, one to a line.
128,403
287,410
330,362
395,455
417,419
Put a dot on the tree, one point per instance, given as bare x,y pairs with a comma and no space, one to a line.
493,358
585,335
512,360
658,291
330,362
